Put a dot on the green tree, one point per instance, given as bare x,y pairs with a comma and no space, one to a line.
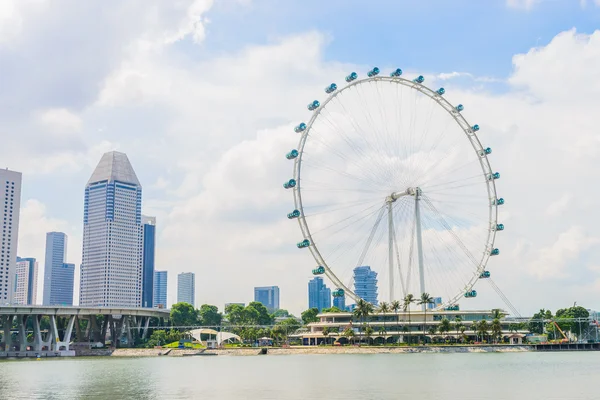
286,327
409,299
396,306
326,334
235,314
462,330
310,315
496,328
382,332
536,324
363,310
444,326
497,314
425,300
368,334
183,315
575,312
432,329
281,313
209,315
457,325
349,334
263,318
333,309
483,328
158,338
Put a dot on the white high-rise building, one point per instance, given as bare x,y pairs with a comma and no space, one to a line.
186,287
10,206
25,287
111,267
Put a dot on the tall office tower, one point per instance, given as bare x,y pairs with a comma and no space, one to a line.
149,240
159,298
319,295
186,287
268,296
365,284
340,302
111,267
58,275
25,287
437,301
10,205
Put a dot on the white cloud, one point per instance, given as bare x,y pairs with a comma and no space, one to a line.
557,207
61,121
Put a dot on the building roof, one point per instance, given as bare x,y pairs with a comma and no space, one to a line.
114,166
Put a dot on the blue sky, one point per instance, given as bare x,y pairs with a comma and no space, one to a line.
201,95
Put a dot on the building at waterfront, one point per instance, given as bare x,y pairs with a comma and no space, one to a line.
159,299
319,295
268,296
186,287
10,206
59,276
111,268
149,240
25,286
340,302
365,284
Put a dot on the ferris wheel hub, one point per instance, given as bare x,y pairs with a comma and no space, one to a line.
411,191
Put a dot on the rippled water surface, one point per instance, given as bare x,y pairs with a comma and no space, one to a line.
386,376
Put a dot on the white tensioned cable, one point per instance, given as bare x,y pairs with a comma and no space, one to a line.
446,106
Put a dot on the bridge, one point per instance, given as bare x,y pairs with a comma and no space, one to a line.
56,339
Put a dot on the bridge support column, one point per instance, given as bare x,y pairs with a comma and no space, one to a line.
37,333
145,331
6,336
64,344
22,325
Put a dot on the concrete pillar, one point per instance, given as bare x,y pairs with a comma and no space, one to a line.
88,331
145,331
54,338
22,337
78,333
67,336
127,325
6,337
105,325
37,333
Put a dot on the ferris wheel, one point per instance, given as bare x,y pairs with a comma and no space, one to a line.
389,176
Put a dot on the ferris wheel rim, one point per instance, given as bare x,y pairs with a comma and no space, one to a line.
471,136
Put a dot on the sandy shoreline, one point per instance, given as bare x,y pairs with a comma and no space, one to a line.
310,350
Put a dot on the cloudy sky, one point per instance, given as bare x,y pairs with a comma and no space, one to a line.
203,95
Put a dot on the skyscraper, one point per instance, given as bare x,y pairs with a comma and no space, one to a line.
149,232
319,295
10,205
437,301
340,302
25,287
58,276
268,296
365,284
160,289
186,287
111,268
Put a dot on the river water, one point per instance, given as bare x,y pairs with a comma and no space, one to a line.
481,376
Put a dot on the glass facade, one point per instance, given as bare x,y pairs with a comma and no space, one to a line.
365,284
340,302
111,268
319,295
25,281
58,276
268,296
186,287
149,231
160,289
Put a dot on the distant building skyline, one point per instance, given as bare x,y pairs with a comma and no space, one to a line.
340,302
160,289
437,301
186,287
25,281
58,275
149,244
111,268
268,296
365,284
319,295
10,210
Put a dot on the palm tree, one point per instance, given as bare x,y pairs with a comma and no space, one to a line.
408,300
462,330
457,325
396,306
432,329
383,309
363,310
444,326
368,334
382,332
483,328
326,334
497,314
496,328
349,333
425,299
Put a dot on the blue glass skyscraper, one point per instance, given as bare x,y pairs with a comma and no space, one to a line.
160,289
58,275
268,296
319,295
340,302
149,229
365,284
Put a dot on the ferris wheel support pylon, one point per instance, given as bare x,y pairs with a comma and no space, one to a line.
391,249
419,244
